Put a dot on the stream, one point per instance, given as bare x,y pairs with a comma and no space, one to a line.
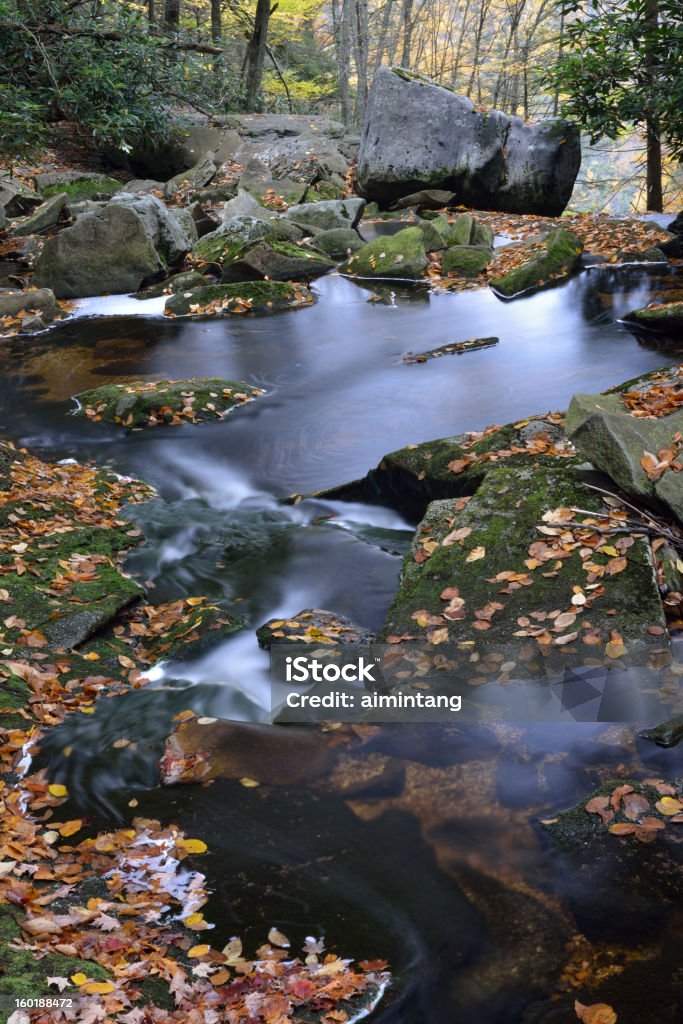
407,880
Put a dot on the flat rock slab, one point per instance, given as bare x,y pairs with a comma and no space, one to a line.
44,216
639,453
512,570
151,403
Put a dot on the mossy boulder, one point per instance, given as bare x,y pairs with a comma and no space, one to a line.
164,230
626,447
489,572
402,256
174,284
77,185
276,261
449,467
663,317
432,237
152,403
338,243
557,260
248,297
466,260
237,234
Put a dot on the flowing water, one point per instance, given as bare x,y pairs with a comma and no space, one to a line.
393,873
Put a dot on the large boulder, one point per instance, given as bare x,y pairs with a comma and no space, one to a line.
277,261
339,243
401,256
110,251
419,135
40,301
329,214
164,230
639,452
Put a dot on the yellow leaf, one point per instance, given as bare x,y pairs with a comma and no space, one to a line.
612,551
57,789
193,845
94,988
196,922
79,979
475,554
192,601
70,827
249,783
198,950
669,806
92,656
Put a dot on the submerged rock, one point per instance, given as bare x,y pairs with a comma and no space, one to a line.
312,626
555,260
248,297
418,134
110,251
667,734
151,403
455,348
276,261
637,451
401,255
664,317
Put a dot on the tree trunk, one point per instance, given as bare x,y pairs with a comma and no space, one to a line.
361,40
216,22
406,18
172,15
655,199
151,16
256,54
342,39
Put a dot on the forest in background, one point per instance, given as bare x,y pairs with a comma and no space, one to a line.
123,72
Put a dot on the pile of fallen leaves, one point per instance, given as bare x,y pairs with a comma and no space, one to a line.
168,402
626,812
663,395
540,444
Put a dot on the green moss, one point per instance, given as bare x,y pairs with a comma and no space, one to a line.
394,256
466,260
221,248
24,975
264,296
663,316
84,188
173,285
558,261
150,403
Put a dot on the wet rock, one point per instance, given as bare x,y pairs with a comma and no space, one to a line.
44,216
339,243
163,228
455,348
257,180
667,734
314,626
464,230
664,317
408,479
426,199
401,255
231,240
151,403
636,873
16,198
277,261
676,225
466,260
334,213
110,251
37,300
204,749
177,283
77,184
651,255
197,176
615,441
418,134
481,572
248,297
559,258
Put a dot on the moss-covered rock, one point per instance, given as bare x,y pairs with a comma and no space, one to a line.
339,243
665,317
237,234
328,214
433,238
77,185
466,260
276,261
249,297
312,626
401,255
559,257
482,571
151,403
174,284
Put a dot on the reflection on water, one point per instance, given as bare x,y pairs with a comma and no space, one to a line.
437,865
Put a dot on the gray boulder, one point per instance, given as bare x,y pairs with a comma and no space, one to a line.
332,213
603,430
197,176
164,230
338,243
276,261
36,300
143,185
77,184
44,216
419,135
110,251
16,198
81,206
401,256
259,182
243,205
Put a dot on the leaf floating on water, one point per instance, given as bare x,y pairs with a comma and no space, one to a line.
276,938
597,1013
193,845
